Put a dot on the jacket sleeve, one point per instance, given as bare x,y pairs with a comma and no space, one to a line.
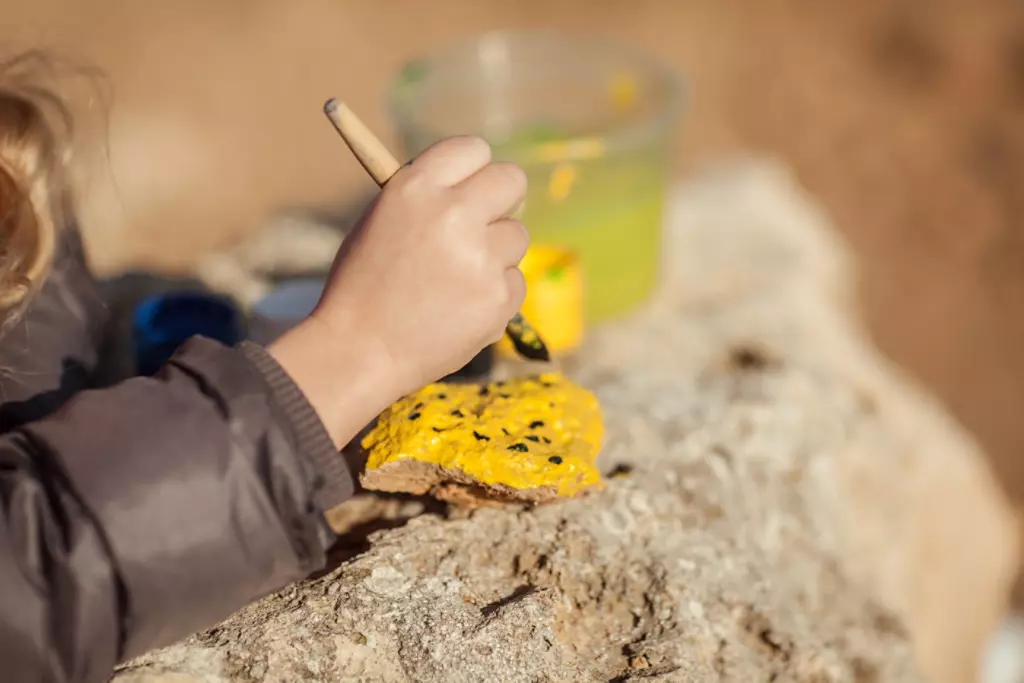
51,351
138,514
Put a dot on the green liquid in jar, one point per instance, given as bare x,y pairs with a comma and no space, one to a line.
611,216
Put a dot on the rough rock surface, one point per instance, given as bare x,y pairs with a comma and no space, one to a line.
796,511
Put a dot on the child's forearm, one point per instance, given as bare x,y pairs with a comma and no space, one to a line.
141,513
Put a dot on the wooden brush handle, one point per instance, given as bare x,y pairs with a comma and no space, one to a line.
366,147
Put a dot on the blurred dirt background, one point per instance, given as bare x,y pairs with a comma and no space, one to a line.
905,118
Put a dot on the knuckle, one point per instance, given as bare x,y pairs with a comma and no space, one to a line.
516,288
497,299
411,179
516,176
454,159
453,214
521,235
474,144
515,239
407,185
465,146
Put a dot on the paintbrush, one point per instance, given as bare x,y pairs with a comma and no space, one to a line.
381,165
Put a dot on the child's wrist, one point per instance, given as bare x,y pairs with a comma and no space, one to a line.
345,375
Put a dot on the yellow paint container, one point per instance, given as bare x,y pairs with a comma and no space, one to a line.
554,298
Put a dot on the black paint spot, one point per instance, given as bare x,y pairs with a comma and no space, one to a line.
505,432
457,413
442,396
621,470
555,460
438,429
414,416
505,395
536,423
546,439
531,437
519,447
484,391
481,437
418,406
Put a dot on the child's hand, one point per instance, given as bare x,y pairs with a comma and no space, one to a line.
431,272
428,278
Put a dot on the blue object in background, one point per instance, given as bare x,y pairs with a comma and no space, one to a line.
284,308
165,321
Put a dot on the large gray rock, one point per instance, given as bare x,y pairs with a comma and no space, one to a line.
797,511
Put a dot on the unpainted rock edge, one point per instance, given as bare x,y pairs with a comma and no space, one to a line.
453,485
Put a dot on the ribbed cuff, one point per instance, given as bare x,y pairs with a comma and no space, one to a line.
334,483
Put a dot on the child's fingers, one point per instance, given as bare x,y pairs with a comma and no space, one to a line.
508,241
494,192
516,290
449,162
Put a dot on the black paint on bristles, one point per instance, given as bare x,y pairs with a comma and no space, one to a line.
537,353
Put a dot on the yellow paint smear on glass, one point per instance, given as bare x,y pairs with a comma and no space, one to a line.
577,149
623,90
563,177
526,433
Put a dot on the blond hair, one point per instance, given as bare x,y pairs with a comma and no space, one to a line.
34,126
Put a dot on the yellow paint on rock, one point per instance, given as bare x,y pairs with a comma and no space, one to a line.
526,433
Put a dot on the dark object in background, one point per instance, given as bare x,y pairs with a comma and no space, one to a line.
124,294
165,321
